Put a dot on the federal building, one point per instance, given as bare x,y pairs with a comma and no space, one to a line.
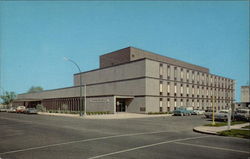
139,81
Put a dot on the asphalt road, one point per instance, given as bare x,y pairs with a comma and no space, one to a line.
49,137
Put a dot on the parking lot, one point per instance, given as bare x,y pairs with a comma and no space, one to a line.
41,136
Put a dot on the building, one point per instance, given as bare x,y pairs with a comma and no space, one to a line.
244,97
245,94
134,80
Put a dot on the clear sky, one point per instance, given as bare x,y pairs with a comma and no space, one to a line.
35,36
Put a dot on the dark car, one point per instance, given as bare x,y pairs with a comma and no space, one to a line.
30,111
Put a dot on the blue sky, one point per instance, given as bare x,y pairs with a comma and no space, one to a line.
35,36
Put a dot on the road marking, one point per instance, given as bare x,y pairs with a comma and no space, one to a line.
146,146
212,147
78,141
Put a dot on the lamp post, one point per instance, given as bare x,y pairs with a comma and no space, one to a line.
67,59
230,110
213,123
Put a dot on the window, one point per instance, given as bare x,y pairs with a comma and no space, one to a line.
175,104
198,76
187,89
168,71
198,90
168,102
193,76
181,73
181,88
187,74
192,89
175,88
168,87
161,69
160,102
161,86
175,73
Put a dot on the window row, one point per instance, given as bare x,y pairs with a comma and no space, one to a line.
197,76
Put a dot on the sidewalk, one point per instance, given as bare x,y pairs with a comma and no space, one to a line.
108,116
215,130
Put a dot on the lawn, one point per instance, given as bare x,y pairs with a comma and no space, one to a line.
247,127
217,124
236,133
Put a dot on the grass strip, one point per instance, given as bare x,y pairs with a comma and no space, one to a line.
236,133
218,124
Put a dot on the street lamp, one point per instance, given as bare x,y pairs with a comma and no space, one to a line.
67,59
213,122
230,108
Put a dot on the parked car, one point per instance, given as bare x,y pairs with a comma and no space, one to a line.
30,111
242,114
198,112
182,112
20,109
3,110
208,113
221,115
11,110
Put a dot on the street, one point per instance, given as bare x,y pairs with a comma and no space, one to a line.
41,136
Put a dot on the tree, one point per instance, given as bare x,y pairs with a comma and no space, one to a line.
35,89
8,97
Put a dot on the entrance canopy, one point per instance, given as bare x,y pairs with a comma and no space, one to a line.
122,103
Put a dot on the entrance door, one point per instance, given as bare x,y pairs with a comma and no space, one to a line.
120,105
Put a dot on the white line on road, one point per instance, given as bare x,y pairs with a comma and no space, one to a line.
212,147
79,141
145,146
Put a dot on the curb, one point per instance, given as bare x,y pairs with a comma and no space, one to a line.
196,129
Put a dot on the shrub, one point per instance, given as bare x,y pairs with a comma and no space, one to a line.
40,108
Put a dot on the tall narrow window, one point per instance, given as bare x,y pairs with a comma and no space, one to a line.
175,73
192,89
181,74
161,70
187,74
198,77
181,88
187,89
160,104
168,71
193,76
161,87
168,87
175,88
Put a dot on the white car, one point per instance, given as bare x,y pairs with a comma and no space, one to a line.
20,109
208,113
11,110
198,112
221,115
242,114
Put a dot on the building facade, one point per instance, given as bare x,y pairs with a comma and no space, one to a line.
245,94
134,80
